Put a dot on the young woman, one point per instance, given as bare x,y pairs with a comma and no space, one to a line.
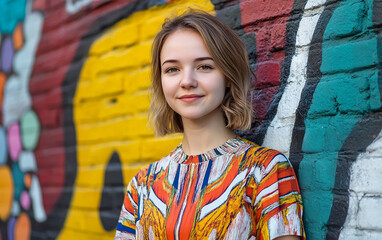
214,185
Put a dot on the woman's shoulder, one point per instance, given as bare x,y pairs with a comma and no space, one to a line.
150,169
256,150
262,157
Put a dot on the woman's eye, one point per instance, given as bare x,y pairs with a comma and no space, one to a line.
205,67
171,70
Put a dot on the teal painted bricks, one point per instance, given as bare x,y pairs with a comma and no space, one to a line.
347,20
349,56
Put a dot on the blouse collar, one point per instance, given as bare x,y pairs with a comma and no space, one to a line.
229,147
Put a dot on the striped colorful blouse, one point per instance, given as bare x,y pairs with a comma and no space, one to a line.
236,191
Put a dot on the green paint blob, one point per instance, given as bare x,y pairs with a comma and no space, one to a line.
30,130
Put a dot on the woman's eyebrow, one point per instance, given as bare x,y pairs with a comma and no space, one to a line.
203,58
170,61
196,60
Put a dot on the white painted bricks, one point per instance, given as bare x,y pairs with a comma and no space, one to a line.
364,217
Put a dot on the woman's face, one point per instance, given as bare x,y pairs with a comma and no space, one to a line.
193,85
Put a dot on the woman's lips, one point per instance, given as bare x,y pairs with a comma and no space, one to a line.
190,98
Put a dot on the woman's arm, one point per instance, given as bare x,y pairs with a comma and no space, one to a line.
126,223
278,203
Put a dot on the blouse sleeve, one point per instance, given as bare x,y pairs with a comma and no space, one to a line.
277,200
128,216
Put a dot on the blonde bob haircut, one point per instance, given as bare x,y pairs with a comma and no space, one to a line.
230,56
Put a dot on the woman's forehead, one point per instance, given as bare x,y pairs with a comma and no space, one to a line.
184,43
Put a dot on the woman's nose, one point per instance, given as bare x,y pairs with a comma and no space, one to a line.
188,79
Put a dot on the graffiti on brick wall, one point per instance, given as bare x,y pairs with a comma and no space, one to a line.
329,88
21,198
334,111
74,108
364,144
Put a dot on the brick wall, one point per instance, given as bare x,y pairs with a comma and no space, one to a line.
74,79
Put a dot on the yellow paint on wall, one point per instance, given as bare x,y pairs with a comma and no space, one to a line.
110,113
6,192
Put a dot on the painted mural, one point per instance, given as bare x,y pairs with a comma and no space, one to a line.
21,201
74,94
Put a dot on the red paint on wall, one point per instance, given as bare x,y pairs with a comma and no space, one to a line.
253,11
278,37
45,81
267,74
261,100
267,19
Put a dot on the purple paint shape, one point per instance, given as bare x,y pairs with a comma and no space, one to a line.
14,141
7,53
11,228
25,200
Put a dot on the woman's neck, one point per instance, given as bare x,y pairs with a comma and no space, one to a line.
201,135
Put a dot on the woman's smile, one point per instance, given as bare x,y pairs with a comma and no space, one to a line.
190,98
